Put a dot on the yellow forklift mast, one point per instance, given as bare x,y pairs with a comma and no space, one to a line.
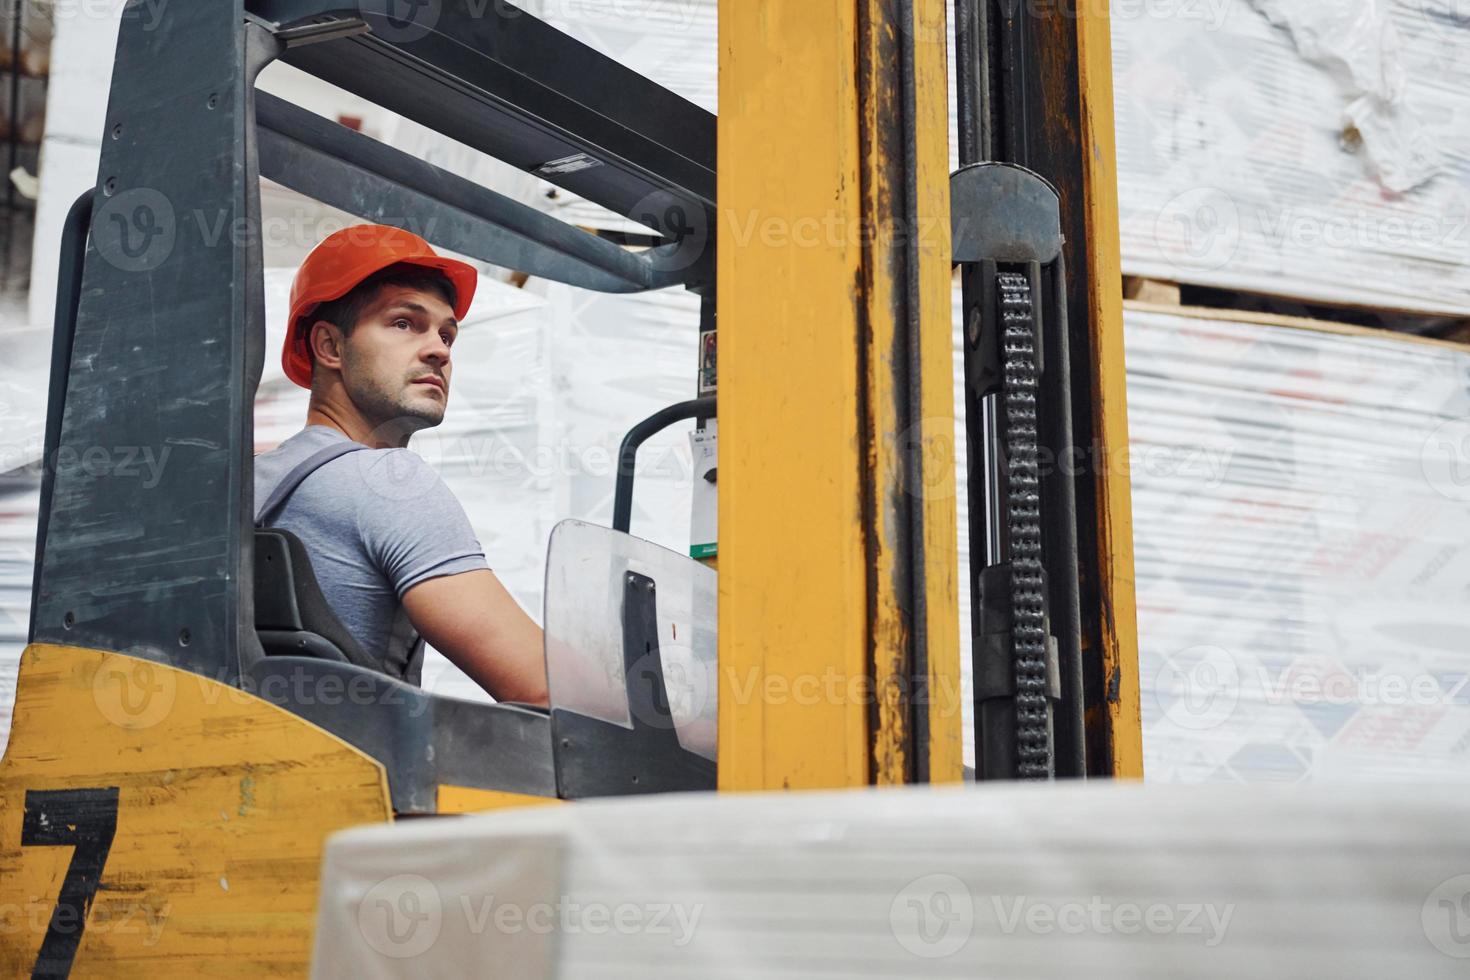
187,735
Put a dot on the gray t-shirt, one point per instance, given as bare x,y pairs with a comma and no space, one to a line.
376,523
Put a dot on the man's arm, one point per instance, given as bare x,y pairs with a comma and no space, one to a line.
474,621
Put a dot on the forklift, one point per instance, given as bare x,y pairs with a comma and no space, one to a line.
188,730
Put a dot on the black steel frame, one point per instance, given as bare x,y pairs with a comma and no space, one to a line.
702,409
160,316
1006,215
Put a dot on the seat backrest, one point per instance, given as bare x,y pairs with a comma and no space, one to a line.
292,616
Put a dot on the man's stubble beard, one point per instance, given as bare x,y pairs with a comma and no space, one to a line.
388,408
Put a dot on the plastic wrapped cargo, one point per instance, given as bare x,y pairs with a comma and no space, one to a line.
1301,521
1311,150
1099,880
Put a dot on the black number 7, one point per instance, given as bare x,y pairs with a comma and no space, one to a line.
85,819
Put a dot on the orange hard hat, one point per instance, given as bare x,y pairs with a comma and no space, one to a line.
343,261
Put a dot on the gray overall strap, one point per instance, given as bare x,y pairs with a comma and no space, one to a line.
294,479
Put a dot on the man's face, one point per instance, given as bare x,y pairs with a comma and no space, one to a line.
395,364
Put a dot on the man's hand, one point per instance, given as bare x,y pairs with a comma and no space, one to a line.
474,621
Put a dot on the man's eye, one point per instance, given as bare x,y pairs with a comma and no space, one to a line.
448,339
403,324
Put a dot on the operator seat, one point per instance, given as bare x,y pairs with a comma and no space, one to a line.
292,617
315,669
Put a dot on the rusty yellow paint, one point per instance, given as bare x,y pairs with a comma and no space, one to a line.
224,804
467,799
815,647
792,596
1115,535
939,493
884,180
893,438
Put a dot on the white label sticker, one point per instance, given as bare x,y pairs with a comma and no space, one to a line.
568,165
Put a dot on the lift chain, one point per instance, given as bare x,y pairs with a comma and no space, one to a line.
1028,605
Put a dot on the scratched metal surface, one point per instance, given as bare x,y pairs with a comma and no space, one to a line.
161,363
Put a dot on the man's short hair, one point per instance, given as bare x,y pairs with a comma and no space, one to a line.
344,313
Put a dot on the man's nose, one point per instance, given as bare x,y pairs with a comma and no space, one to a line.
436,352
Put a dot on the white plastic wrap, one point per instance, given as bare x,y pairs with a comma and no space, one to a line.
1358,44
1050,882
1301,520
19,494
1307,149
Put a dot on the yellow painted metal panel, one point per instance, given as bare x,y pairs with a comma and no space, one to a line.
467,799
911,450
223,805
1115,535
937,448
818,433
792,597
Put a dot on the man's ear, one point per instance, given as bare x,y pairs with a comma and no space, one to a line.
327,342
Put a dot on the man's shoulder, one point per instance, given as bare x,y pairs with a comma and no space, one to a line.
301,445
391,476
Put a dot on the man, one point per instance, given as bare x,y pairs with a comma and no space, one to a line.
374,315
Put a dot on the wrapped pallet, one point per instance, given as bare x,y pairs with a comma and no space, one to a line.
1301,517
1313,150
